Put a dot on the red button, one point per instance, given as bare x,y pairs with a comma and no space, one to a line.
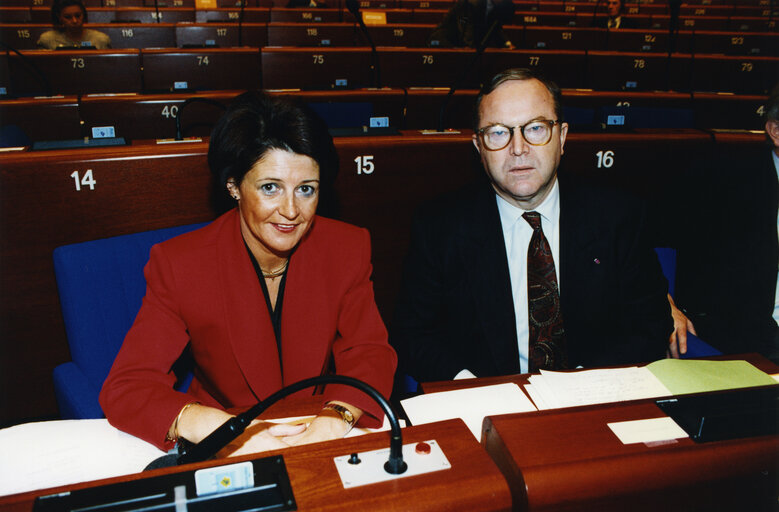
422,448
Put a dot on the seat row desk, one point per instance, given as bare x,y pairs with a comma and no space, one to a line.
150,116
409,35
42,72
564,459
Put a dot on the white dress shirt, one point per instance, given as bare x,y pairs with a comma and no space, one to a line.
517,233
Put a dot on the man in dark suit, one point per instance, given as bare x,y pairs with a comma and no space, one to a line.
468,22
464,302
615,19
727,248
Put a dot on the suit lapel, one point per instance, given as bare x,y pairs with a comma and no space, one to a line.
483,252
249,327
577,236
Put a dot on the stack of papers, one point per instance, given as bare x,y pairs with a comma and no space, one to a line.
554,390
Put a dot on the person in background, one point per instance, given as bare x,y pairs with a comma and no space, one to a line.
468,21
726,237
265,296
68,18
528,269
615,19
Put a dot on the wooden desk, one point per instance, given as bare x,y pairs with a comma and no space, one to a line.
472,484
568,459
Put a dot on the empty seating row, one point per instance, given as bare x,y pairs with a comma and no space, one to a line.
41,72
137,188
218,35
154,116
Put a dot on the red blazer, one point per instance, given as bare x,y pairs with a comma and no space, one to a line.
202,290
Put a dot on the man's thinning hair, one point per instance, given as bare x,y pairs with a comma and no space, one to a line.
519,74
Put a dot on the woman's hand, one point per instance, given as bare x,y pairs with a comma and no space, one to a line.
196,421
261,436
326,426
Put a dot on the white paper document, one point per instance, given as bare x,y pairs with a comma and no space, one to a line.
553,390
647,431
471,404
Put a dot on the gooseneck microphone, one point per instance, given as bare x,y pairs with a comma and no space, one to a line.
235,426
502,12
187,102
354,8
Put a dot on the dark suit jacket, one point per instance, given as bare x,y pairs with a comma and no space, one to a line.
455,308
725,233
202,291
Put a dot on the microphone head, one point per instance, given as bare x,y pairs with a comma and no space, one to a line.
354,7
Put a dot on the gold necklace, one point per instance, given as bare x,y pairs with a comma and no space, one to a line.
277,272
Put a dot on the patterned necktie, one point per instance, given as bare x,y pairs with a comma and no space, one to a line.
547,336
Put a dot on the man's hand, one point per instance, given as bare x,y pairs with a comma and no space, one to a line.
677,342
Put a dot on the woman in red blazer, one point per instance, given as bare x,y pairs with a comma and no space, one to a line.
266,295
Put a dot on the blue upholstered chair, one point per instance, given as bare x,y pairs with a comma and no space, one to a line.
695,346
101,285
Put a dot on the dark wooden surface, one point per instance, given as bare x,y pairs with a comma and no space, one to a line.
473,483
569,460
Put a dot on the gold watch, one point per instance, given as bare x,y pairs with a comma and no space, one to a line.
346,414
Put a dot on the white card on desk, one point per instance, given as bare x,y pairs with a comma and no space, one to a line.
471,405
647,431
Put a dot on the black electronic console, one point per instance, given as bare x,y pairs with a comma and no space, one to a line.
260,484
733,414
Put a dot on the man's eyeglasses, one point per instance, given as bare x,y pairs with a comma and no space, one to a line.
497,136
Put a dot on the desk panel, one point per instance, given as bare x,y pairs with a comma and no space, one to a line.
201,69
76,72
567,67
22,36
282,15
623,71
221,35
316,68
739,75
61,115
426,67
569,459
139,35
314,34
562,38
153,116
232,15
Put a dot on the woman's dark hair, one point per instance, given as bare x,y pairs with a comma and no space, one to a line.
255,123
59,5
